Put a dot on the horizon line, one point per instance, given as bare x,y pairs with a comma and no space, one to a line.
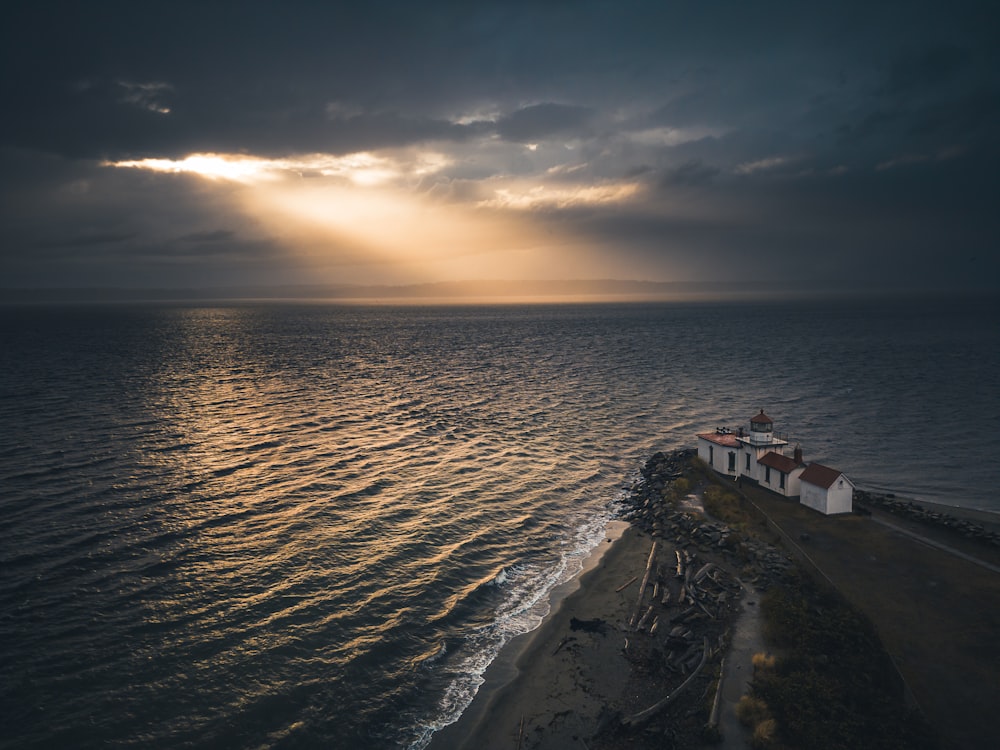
554,290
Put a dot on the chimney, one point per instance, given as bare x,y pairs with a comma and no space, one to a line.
797,455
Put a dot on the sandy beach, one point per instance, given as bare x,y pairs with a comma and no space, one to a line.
570,681
552,690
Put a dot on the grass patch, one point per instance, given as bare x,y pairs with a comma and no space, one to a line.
723,502
674,492
833,686
724,505
680,486
733,510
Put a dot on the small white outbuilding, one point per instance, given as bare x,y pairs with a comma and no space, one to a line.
826,490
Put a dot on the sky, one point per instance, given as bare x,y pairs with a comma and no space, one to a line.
176,144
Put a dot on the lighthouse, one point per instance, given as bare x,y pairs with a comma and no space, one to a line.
761,429
757,444
759,457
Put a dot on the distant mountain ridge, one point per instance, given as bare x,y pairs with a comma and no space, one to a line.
569,290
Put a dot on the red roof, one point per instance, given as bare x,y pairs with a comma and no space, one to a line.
726,439
761,418
821,476
784,464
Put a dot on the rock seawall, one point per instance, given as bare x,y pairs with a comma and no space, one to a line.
909,509
652,505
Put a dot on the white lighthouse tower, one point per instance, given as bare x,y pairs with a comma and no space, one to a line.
757,444
761,429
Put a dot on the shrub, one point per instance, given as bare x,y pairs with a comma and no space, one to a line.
764,734
751,711
763,662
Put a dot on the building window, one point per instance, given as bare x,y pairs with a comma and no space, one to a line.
732,461
781,480
748,462
711,455
767,474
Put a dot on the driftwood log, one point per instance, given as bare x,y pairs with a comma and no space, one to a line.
645,582
645,619
627,583
637,720
713,716
703,571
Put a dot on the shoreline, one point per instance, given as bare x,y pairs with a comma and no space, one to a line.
985,517
513,657
505,703
586,671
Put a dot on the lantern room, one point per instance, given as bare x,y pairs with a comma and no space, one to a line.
761,428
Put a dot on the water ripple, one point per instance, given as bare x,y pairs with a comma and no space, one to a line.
315,526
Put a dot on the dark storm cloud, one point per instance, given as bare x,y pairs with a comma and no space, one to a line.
894,228
262,76
87,240
70,223
213,235
930,67
693,172
843,138
543,121
269,78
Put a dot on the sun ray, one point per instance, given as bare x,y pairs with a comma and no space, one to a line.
330,212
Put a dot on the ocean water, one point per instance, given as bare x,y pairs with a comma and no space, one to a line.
305,526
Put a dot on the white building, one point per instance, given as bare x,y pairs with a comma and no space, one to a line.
759,456
826,490
780,473
719,450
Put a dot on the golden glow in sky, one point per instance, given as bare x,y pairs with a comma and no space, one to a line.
541,196
370,209
361,168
